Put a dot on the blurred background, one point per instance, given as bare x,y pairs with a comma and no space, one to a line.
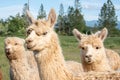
88,16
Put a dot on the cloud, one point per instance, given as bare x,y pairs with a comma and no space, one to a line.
91,6
117,7
68,2
5,12
90,17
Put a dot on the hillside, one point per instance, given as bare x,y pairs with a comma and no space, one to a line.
91,23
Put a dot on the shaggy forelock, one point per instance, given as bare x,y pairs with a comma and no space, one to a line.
91,40
12,40
40,27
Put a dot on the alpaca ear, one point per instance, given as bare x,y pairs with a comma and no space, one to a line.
52,17
30,17
102,34
77,34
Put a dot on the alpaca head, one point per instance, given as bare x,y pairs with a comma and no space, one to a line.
92,48
40,31
13,45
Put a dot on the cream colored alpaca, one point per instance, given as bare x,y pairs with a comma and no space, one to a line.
93,54
74,67
43,40
114,59
20,68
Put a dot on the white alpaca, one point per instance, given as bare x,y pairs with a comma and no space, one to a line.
20,69
113,57
44,42
74,67
93,54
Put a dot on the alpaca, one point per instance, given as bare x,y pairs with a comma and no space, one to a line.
43,40
74,67
93,54
20,68
113,57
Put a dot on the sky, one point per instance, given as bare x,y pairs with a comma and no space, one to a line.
90,8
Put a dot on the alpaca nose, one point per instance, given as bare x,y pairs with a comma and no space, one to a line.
7,49
28,40
88,56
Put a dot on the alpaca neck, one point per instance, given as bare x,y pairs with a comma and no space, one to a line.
100,66
20,59
20,68
51,63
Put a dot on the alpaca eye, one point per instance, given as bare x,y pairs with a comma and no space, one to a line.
97,47
16,43
29,31
44,33
82,48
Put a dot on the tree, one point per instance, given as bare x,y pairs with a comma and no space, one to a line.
41,12
73,19
24,16
77,5
107,17
2,27
60,19
26,7
79,21
16,25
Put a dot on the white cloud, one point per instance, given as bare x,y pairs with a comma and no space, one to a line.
89,5
5,12
90,17
68,2
117,7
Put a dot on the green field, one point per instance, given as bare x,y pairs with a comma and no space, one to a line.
70,50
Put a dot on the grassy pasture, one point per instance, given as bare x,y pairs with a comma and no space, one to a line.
70,50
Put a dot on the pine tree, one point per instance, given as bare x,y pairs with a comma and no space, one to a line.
41,12
60,19
78,17
73,19
77,5
107,17
26,7
24,16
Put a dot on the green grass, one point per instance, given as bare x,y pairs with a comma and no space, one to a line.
70,50
3,60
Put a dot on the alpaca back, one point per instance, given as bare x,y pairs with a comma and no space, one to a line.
33,65
114,59
74,67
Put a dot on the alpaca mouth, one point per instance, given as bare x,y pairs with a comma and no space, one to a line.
7,52
89,60
30,46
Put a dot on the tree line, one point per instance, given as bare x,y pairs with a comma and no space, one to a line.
67,20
